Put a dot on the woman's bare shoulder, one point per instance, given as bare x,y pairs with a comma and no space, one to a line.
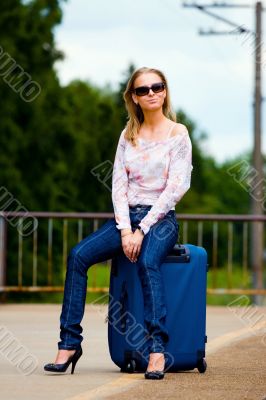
178,129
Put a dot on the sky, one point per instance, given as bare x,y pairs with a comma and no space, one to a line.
211,77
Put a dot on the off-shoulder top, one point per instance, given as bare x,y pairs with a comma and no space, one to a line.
156,172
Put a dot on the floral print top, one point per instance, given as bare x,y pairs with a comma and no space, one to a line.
156,173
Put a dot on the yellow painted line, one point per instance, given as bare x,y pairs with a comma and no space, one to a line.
229,337
126,380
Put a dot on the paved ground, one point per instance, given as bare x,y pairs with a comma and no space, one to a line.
235,352
236,372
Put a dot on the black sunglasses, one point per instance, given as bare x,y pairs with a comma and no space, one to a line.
144,90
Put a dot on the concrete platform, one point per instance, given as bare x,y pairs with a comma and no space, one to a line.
35,327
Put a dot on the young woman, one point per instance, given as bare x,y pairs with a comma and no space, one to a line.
152,172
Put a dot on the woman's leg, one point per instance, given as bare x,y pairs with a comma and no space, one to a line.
158,242
101,245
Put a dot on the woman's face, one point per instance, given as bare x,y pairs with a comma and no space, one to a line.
150,101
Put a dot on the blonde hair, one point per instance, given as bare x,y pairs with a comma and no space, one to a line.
135,114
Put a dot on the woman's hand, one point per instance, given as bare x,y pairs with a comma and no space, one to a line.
131,244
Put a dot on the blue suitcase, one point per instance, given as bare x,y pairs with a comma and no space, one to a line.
184,273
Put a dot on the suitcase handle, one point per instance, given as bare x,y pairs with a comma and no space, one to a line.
179,253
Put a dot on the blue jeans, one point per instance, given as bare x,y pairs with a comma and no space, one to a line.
104,244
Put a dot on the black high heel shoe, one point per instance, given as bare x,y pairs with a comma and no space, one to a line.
63,367
154,374
157,374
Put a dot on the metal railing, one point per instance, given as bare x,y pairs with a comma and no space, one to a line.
214,232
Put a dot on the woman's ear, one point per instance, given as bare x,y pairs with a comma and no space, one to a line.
135,99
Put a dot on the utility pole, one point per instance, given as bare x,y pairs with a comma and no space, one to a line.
257,194
257,189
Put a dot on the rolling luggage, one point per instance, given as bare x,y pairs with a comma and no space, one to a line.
184,273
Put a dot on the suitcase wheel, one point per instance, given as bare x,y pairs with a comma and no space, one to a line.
130,366
202,365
